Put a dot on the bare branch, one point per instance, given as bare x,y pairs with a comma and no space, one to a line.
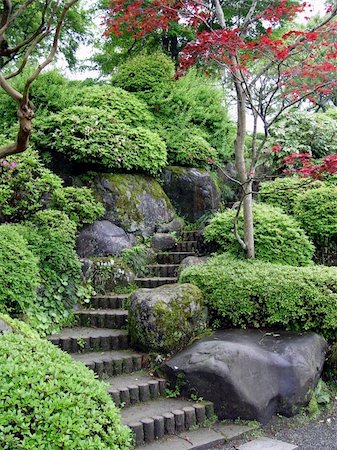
7,8
10,90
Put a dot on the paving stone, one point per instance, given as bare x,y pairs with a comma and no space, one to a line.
267,444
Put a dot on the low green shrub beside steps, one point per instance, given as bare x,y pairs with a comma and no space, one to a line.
47,401
244,293
278,237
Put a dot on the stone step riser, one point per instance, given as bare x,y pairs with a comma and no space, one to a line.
115,367
117,321
156,282
190,235
92,344
134,394
173,257
186,246
167,270
108,302
149,429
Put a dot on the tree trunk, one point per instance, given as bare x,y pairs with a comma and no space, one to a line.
25,115
245,179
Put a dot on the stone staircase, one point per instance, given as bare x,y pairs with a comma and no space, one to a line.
100,341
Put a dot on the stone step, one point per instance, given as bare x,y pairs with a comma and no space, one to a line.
155,282
186,246
112,363
173,257
153,420
109,301
267,444
215,436
86,339
163,270
102,318
190,235
138,387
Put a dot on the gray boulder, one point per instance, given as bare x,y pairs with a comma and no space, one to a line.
163,241
175,226
166,318
135,203
192,191
192,261
4,327
102,238
251,374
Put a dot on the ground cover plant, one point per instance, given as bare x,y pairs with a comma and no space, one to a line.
49,401
278,236
257,294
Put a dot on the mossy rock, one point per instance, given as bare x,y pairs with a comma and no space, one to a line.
165,319
136,203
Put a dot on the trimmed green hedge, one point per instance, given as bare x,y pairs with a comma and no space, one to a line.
258,294
283,192
278,237
92,135
47,401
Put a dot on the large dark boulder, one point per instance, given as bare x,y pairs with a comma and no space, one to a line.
135,203
251,374
165,319
192,191
102,238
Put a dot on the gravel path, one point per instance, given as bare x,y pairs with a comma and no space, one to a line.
317,434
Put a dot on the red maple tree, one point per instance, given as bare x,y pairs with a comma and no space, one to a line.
270,70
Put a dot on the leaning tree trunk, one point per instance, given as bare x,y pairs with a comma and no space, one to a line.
245,179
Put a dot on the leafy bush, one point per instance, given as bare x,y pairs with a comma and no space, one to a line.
283,192
257,294
316,210
138,257
300,132
194,106
119,103
25,186
278,237
79,204
19,274
91,135
51,237
49,401
145,75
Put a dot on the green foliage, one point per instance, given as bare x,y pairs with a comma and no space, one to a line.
146,75
283,192
51,237
316,210
79,204
192,108
252,293
19,327
117,102
19,274
92,135
299,132
49,401
278,237
25,189
138,257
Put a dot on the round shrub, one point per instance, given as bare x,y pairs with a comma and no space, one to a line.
145,74
278,237
316,210
92,135
49,401
79,204
283,192
25,186
251,293
117,102
19,273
